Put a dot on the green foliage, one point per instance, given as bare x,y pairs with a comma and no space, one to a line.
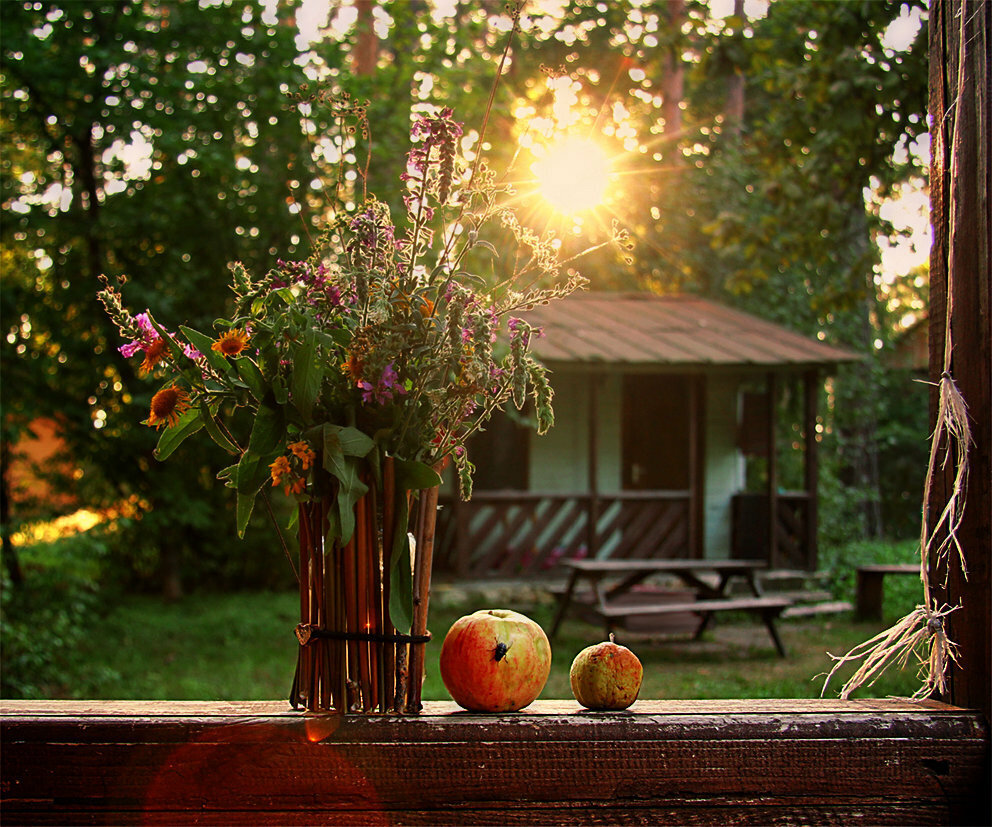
902,594
786,232
771,218
195,94
903,442
253,659
778,213
44,619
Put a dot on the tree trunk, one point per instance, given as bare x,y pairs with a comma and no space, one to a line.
673,74
367,45
735,86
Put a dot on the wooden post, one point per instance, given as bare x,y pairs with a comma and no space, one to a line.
811,391
697,433
592,541
772,390
960,309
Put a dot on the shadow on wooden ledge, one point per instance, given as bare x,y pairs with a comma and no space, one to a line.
684,762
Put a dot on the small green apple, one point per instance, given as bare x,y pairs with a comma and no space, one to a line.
606,676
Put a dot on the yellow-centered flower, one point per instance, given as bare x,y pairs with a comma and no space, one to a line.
167,405
231,343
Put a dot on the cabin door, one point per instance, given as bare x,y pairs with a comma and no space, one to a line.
657,432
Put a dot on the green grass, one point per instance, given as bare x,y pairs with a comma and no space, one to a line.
242,647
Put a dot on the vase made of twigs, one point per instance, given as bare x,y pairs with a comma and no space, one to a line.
363,601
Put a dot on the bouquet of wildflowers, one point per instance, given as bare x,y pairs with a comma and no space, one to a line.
384,343
348,380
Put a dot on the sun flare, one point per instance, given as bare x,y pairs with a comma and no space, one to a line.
573,175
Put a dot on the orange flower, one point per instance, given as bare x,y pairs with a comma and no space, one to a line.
427,308
296,485
167,405
353,367
154,353
303,453
280,468
231,343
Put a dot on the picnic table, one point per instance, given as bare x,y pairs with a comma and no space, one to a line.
609,581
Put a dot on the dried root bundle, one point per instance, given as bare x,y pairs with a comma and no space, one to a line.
922,631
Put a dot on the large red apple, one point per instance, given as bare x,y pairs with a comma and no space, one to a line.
606,676
495,660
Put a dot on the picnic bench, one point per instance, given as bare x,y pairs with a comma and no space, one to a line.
870,590
606,600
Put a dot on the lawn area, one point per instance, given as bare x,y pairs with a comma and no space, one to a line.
241,647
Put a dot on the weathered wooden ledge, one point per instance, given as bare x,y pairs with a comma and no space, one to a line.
684,762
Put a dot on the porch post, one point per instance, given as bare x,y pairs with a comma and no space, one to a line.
593,481
772,390
697,430
811,388
961,332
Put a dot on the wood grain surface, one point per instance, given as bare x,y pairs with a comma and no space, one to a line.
685,762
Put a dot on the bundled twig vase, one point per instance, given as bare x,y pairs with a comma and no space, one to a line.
364,602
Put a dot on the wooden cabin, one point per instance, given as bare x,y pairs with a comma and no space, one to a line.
665,407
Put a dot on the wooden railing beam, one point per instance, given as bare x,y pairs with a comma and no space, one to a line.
755,762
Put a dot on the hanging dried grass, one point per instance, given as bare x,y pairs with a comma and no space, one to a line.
953,432
921,632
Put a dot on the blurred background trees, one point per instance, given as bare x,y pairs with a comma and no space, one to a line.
754,147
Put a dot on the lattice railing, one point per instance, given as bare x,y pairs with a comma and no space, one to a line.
509,534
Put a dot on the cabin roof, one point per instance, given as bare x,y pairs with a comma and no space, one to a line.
643,329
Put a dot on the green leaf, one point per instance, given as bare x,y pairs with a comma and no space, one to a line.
229,475
410,476
413,476
401,580
246,504
204,344
338,443
307,375
354,443
249,477
279,390
251,473
188,424
338,439
350,490
400,567
215,432
332,453
251,376
268,430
